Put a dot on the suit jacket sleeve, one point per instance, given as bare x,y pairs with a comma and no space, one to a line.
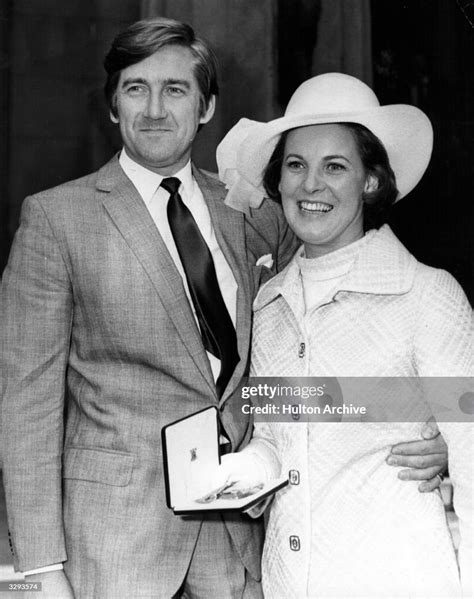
267,230
35,325
445,348
288,243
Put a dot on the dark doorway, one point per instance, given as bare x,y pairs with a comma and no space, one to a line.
423,52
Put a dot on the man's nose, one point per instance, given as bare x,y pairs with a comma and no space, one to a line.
313,182
155,106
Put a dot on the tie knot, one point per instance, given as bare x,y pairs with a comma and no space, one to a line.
171,184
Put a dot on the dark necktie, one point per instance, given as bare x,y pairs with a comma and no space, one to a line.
217,330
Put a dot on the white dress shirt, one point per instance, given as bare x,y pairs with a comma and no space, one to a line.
156,198
148,185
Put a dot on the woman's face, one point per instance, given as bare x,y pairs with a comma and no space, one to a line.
321,187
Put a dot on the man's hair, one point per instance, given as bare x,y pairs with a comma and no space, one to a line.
144,38
377,203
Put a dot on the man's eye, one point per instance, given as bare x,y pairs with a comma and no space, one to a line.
135,90
175,91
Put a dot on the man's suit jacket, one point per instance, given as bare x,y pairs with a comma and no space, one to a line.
100,350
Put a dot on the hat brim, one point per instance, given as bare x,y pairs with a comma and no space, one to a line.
405,131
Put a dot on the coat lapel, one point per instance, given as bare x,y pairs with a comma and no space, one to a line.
229,226
383,266
132,219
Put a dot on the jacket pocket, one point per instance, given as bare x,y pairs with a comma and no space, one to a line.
98,465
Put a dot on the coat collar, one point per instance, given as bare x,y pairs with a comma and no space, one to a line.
111,175
383,267
133,220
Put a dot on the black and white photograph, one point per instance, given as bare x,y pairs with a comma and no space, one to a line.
236,299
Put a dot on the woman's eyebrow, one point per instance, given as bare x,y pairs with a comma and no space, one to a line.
336,157
328,157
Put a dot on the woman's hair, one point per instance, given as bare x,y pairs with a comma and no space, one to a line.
376,204
144,38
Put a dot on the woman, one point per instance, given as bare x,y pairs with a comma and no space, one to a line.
352,303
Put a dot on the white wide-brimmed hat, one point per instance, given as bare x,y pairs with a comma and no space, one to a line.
405,132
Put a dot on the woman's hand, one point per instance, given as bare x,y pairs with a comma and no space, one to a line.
426,459
240,469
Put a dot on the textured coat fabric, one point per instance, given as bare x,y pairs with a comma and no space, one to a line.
99,344
350,527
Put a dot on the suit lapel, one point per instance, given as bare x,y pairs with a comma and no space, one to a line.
229,226
132,219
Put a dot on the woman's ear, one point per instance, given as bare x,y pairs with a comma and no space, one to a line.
371,184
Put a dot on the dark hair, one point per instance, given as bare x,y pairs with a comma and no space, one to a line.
144,38
377,203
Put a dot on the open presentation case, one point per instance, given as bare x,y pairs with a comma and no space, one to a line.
190,454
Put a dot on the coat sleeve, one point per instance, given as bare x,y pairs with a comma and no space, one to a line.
35,326
263,449
445,357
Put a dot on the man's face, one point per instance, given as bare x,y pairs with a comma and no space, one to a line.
159,109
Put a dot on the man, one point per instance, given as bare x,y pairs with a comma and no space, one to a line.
108,336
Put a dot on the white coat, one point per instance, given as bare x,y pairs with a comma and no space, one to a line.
347,526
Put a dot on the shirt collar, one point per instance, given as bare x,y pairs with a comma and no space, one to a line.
147,181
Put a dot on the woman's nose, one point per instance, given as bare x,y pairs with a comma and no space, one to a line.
313,182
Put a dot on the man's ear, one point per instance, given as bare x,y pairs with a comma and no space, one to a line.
209,111
113,118
371,184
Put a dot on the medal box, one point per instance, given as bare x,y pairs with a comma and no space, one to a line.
190,456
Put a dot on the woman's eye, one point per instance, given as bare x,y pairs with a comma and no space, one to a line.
335,167
294,165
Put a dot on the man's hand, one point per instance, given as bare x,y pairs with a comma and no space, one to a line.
426,458
55,585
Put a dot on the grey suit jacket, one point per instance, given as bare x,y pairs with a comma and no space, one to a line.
100,350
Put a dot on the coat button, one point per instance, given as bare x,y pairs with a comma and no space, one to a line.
301,350
294,543
295,415
294,477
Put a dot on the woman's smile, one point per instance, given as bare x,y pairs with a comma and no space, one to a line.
314,208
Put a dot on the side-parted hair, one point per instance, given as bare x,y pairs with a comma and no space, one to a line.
377,203
144,38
